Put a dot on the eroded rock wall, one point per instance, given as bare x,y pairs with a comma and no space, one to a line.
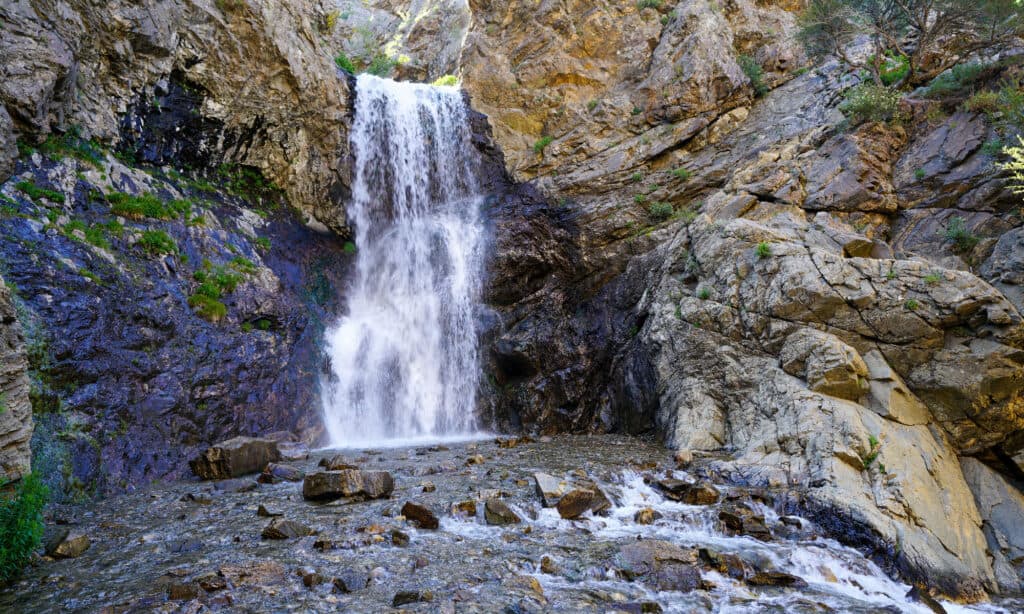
15,408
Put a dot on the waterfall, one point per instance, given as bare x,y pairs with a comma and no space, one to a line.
405,356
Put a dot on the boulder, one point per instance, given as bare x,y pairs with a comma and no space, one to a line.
68,545
776,578
1002,512
328,485
661,564
421,515
336,463
281,528
407,597
549,488
690,493
351,580
235,457
646,516
293,450
464,508
496,512
576,502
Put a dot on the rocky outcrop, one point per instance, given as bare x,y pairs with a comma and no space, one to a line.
1002,511
270,93
15,408
235,457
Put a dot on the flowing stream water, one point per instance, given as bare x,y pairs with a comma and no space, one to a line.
404,358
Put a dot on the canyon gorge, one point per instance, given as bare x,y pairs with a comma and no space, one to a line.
495,305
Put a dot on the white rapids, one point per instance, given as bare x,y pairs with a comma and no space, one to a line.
405,356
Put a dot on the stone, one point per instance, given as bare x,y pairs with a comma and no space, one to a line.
276,472
464,508
776,578
409,597
265,512
743,521
548,565
312,578
662,564
293,450
476,459
576,502
429,487
496,512
646,516
421,515
329,485
182,591
281,528
827,364
691,493
399,538
683,458
235,457
336,463
1002,512
549,488
212,582
350,581
68,545
728,564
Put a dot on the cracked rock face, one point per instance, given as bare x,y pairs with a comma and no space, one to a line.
15,408
267,77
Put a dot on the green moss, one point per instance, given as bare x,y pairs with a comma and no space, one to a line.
446,81
37,193
911,305
21,525
703,294
542,144
157,243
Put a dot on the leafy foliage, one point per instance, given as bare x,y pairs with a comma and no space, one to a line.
21,525
871,102
542,143
752,69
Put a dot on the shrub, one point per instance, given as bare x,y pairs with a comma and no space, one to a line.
703,294
207,308
870,102
660,212
37,193
681,173
637,177
381,65
911,305
21,525
752,69
542,143
920,173
1015,166
446,81
648,4
640,199
330,19
592,105
962,238
157,243
344,63
894,68
763,250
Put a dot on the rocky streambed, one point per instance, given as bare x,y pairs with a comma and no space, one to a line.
569,524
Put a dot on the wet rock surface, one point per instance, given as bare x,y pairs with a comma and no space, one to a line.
366,558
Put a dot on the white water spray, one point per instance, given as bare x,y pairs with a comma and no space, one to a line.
405,357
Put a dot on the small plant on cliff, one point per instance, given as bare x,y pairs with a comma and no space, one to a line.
932,278
37,193
681,174
752,69
660,211
343,62
208,308
648,4
446,81
542,143
21,525
872,455
912,305
1015,167
869,102
703,294
763,250
962,238
349,248
157,243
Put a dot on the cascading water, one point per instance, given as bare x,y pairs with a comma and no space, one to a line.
404,358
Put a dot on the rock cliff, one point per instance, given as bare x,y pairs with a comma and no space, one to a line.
15,408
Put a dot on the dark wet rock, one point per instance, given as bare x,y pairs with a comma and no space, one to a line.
327,485
65,544
276,472
182,591
579,501
351,580
548,565
336,463
399,538
549,488
199,498
407,597
776,578
476,459
496,512
740,520
235,457
728,564
646,516
683,458
312,578
281,528
922,596
268,512
420,514
512,442
691,493
662,564
637,607
181,546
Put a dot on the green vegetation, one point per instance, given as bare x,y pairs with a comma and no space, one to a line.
648,4
962,238
592,105
21,525
247,182
637,177
446,81
343,62
893,68
1015,167
763,250
920,173
752,69
932,278
911,305
957,80
71,144
640,199
542,143
214,283
703,294
681,174
349,248
207,308
94,234
146,206
37,193
1004,108
659,212
872,455
262,243
871,102
637,110
331,19
157,243
381,65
